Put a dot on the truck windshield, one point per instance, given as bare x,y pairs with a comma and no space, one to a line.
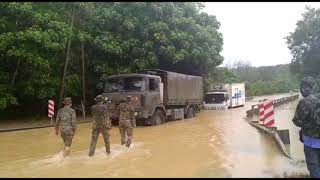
214,98
125,84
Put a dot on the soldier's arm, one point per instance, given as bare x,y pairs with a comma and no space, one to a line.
57,120
316,113
93,120
106,115
119,109
133,118
301,113
74,120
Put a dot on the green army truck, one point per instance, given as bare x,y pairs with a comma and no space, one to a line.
157,95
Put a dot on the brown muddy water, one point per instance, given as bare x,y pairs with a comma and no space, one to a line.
213,144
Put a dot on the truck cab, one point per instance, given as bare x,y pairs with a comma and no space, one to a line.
157,95
218,99
144,89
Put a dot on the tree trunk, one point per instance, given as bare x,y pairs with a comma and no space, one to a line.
15,73
65,65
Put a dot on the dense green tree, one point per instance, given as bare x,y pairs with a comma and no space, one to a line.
118,37
265,79
304,44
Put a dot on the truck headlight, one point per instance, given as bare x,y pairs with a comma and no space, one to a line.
136,113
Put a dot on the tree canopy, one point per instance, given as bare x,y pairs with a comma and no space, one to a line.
304,44
265,79
118,37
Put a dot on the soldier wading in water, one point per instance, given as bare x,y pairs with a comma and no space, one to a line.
66,119
127,121
101,124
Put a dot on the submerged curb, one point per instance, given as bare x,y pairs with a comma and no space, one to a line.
34,127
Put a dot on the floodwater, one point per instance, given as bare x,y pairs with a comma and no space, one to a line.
213,144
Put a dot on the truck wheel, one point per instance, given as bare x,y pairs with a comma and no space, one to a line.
158,117
190,113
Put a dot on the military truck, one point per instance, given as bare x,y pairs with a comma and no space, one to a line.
157,95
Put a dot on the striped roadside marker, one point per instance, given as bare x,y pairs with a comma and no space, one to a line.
261,112
268,113
50,109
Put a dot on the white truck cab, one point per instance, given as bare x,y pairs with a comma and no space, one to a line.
225,96
216,100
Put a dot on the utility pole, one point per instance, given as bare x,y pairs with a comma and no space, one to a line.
66,64
83,84
18,62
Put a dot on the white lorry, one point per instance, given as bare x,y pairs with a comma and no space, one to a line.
225,96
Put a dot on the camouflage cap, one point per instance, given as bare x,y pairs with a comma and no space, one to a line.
67,100
99,98
308,86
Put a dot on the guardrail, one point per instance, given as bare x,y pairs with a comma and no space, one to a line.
275,135
278,135
276,103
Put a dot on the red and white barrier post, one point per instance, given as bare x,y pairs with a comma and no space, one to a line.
261,112
268,113
51,109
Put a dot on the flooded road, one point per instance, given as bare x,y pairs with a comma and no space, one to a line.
213,144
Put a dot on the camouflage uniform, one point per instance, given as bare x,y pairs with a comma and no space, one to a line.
101,124
66,119
304,115
307,118
126,122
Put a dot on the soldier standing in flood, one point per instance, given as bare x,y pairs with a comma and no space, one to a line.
101,124
66,120
307,117
127,121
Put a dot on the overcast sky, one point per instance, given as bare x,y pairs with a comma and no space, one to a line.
255,31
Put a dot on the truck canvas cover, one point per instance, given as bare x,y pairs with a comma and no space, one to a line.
179,89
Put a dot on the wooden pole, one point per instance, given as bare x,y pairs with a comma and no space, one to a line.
83,112
83,84
65,65
18,62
